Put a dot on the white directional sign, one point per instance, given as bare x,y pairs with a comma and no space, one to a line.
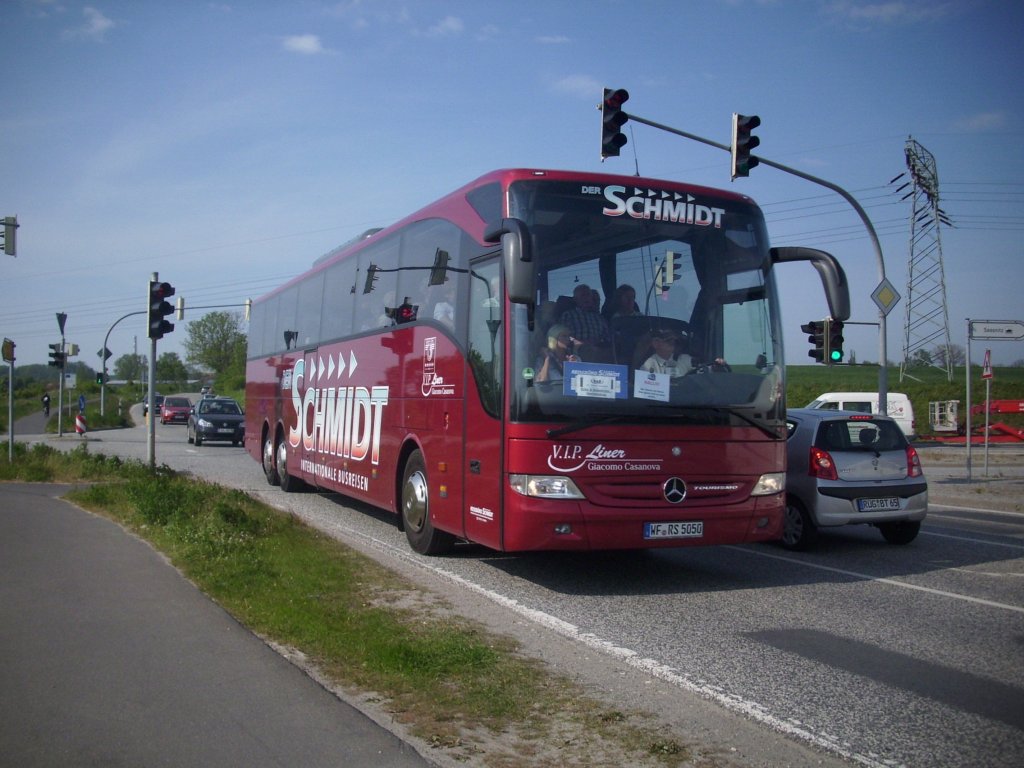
997,329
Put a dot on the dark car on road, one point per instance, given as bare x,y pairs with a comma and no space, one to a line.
175,410
847,467
158,403
216,418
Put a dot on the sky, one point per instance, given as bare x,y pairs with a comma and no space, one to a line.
226,145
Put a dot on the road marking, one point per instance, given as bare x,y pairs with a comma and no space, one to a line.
717,694
973,540
882,580
1004,512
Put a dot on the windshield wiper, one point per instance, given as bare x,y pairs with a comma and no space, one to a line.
732,412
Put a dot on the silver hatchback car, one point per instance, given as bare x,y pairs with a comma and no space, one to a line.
845,468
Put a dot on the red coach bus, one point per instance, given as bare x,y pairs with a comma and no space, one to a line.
485,368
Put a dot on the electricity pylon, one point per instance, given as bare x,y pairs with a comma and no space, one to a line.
926,326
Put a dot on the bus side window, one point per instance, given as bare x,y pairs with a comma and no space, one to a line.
375,294
311,299
423,245
339,297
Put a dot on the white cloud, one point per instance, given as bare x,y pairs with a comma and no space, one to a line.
488,32
579,85
552,39
308,45
981,122
449,25
892,12
95,27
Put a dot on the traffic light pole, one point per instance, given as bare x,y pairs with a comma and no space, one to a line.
60,391
103,372
10,409
103,384
883,372
151,396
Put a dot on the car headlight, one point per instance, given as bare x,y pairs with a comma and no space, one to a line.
766,485
204,423
545,486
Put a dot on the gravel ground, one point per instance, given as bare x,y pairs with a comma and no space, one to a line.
1001,487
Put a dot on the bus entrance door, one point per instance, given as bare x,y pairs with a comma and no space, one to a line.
484,433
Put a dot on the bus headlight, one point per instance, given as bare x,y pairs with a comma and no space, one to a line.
545,486
774,482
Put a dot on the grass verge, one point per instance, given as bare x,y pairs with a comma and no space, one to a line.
370,632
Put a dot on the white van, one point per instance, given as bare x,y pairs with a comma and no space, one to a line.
900,409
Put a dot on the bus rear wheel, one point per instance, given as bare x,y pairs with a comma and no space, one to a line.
415,511
269,470
287,482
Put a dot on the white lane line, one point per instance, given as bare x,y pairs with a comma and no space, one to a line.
972,540
882,580
958,508
730,701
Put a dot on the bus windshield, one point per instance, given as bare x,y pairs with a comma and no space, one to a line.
652,304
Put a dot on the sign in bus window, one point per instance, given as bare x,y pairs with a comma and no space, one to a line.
598,380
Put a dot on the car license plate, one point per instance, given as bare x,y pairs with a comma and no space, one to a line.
890,504
679,530
226,430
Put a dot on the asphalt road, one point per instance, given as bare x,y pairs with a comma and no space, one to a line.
868,653
108,657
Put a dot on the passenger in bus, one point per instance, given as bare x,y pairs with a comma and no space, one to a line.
558,352
444,307
670,355
588,327
622,303
384,320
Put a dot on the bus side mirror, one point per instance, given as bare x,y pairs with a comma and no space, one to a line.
833,278
518,258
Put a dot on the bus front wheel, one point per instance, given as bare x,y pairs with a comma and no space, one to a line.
419,529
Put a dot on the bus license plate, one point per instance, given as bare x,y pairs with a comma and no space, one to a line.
679,530
879,505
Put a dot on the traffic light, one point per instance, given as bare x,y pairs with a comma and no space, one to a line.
57,356
742,143
100,378
439,272
159,308
817,335
10,231
835,341
612,120
404,313
371,277
670,271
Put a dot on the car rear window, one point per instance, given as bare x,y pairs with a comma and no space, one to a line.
860,434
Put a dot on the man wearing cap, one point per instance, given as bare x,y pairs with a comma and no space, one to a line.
665,358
